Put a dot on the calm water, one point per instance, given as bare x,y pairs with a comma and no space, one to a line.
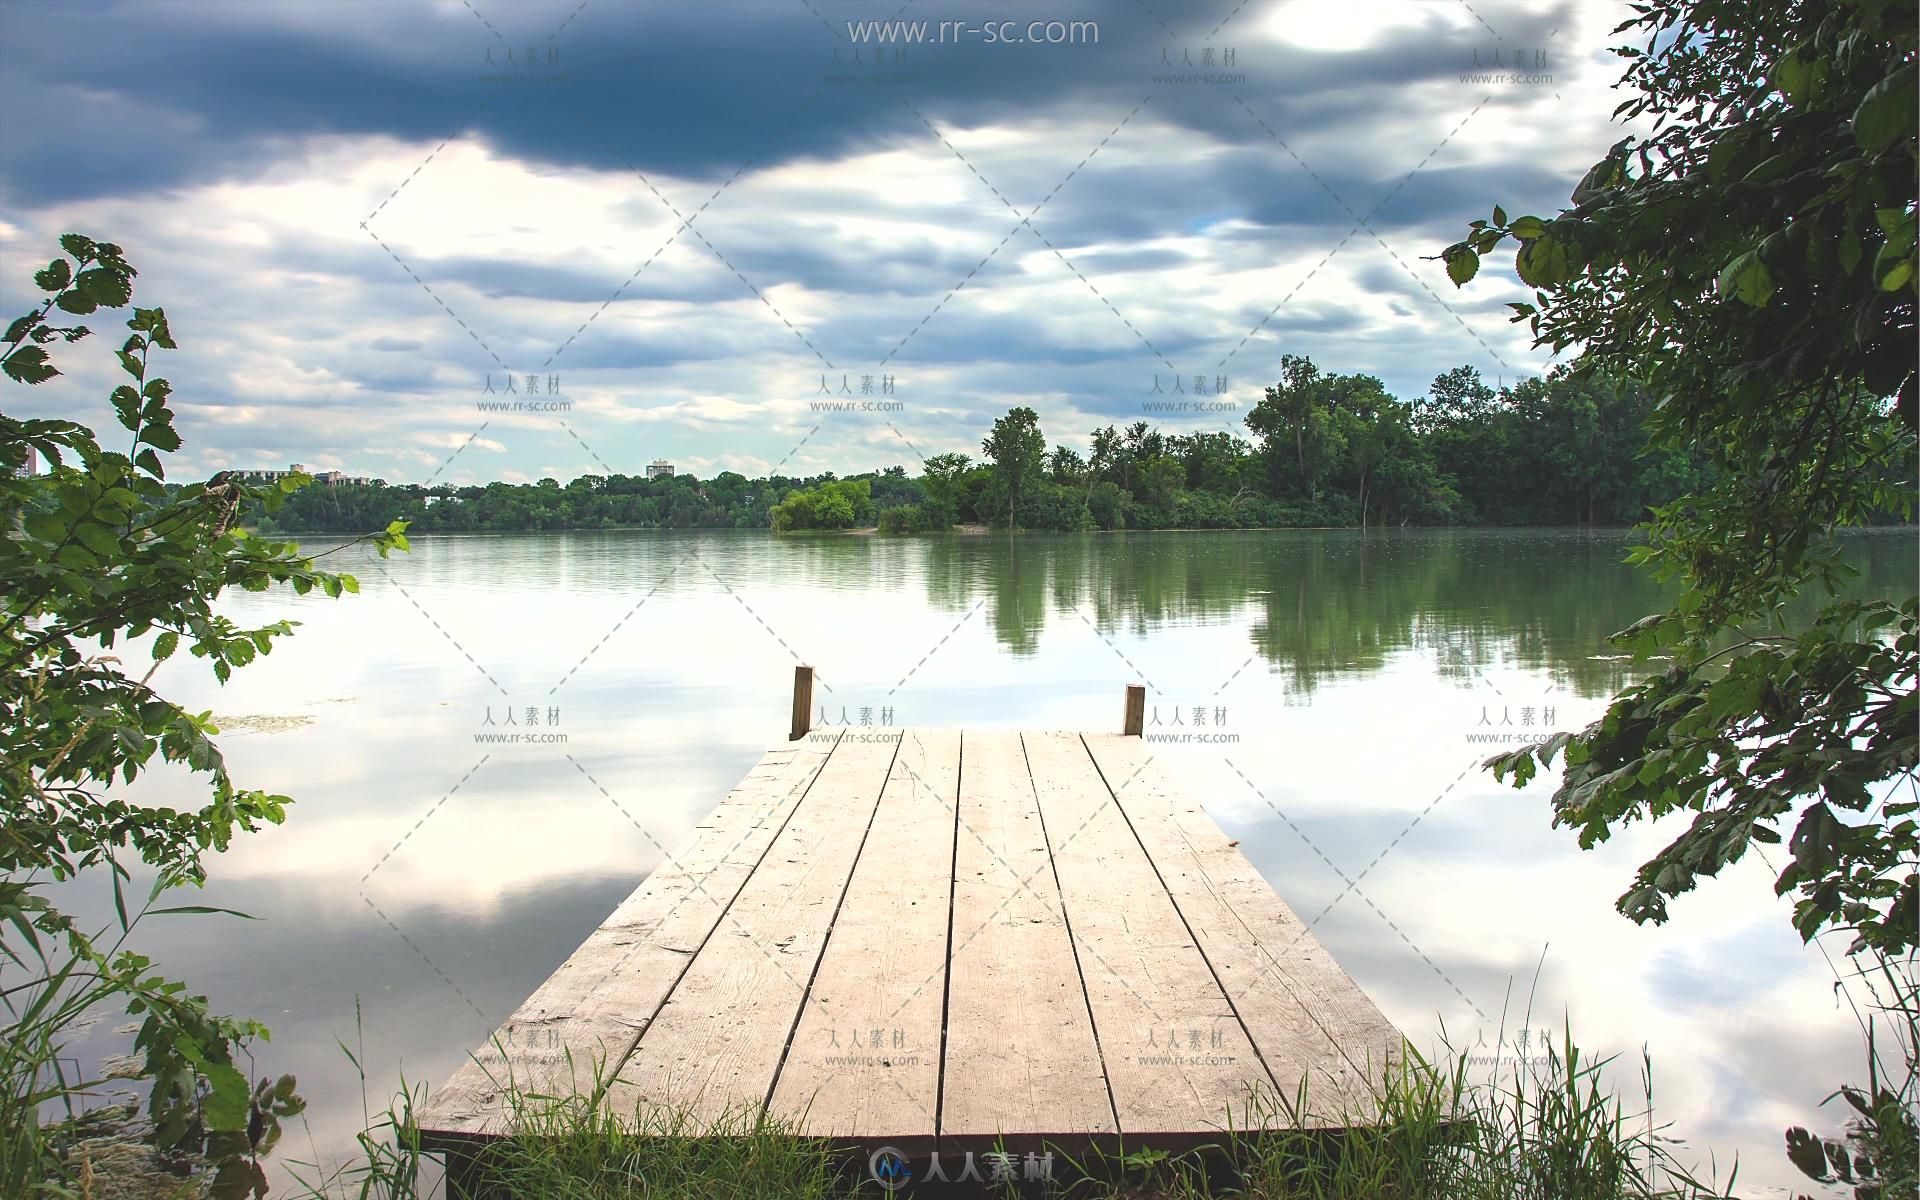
1347,689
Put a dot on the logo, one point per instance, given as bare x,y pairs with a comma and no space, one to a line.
889,1168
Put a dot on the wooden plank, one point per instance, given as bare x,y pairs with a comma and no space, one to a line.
1177,1058
1307,1018
802,703
865,1058
1023,918
1134,721
1021,1057
714,1048
596,1004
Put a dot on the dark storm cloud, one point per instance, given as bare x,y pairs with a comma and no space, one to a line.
688,90
1082,231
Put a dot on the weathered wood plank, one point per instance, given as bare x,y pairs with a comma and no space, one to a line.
802,703
1307,1017
600,999
865,1059
713,1050
1024,919
1176,1056
1021,1056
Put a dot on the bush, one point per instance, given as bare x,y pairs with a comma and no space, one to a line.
836,504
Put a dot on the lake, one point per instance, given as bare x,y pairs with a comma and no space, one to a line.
1327,697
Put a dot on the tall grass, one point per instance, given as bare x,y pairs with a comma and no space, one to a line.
570,1147
1552,1129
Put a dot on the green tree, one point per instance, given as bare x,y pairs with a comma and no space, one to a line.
1018,452
835,504
1788,380
99,550
942,485
1065,466
1110,459
1297,414
1752,263
1367,418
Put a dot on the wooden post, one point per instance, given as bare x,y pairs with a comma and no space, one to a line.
1136,719
802,703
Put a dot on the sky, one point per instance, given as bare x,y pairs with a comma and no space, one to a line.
734,237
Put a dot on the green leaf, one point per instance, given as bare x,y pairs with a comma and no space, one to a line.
1735,695
1748,279
1816,840
1886,112
22,326
105,287
1462,264
165,645
44,525
1808,1153
1542,262
56,276
77,302
28,364
1798,78
97,538
206,908
229,1103
126,406
1849,251
1499,215
1527,228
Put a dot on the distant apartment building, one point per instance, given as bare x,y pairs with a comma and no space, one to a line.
659,468
264,476
329,478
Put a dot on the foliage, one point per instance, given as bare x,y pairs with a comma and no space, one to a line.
1752,264
838,504
1555,451
1018,452
1809,721
1720,276
1880,1153
95,551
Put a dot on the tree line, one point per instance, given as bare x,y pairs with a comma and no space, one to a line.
1321,449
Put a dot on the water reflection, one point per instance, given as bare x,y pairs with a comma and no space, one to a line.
438,874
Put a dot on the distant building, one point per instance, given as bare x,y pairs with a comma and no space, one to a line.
659,468
329,478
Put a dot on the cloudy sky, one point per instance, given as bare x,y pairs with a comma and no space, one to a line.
709,224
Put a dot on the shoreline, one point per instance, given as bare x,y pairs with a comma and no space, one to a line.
971,531
985,530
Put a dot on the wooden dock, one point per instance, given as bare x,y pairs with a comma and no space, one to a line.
947,939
